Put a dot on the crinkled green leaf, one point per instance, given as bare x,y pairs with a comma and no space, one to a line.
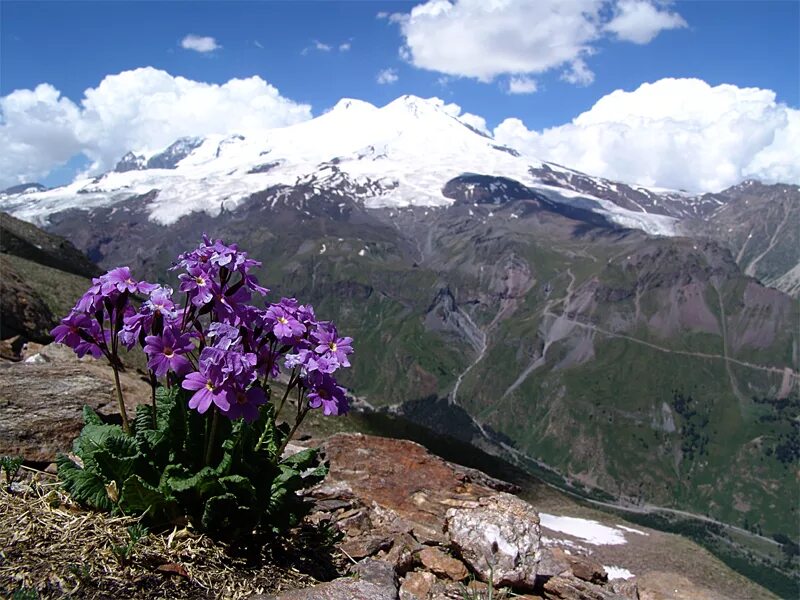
85,486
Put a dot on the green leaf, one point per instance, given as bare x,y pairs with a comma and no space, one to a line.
85,486
304,459
90,417
199,482
139,497
225,517
240,487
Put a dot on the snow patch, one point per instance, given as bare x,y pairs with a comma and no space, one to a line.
618,573
589,531
632,530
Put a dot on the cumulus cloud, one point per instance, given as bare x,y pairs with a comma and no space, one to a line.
638,21
454,110
521,85
387,76
578,73
199,43
676,133
484,39
141,110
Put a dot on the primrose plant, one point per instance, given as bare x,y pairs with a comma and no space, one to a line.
208,448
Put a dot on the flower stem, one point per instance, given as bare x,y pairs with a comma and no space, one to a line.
302,410
153,385
122,412
211,436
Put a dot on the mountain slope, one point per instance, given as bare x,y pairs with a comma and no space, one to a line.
509,302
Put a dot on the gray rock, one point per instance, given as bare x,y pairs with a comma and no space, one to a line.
572,588
499,538
379,573
368,583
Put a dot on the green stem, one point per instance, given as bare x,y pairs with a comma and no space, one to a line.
289,385
301,413
153,384
122,412
211,436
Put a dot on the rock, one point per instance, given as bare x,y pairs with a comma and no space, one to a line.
572,588
499,538
379,573
402,554
397,475
41,403
470,475
417,585
364,546
443,565
553,562
585,568
627,588
344,588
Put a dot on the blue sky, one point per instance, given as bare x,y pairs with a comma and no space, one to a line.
74,45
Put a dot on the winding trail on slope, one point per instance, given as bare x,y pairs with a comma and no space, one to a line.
741,363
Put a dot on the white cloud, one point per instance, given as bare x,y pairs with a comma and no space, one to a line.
142,110
454,110
676,133
323,47
521,85
578,73
638,21
258,44
484,39
387,76
199,43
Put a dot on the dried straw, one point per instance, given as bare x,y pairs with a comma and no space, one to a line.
51,545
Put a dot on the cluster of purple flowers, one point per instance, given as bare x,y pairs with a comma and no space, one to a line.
218,345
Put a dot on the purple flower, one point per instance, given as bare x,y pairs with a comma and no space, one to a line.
331,345
121,280
325,393
69,331
207,392
92,300
165,353
197,284
245,404
284,325
81,333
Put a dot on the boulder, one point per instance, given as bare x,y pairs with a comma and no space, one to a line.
571,588
499,538
443,565
417,585
42,398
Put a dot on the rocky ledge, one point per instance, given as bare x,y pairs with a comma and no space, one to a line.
418,528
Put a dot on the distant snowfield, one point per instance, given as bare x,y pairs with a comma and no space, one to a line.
587,530
403,154
618,572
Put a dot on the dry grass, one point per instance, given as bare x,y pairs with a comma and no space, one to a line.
51,545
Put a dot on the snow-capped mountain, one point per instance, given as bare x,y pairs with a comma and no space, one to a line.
399,155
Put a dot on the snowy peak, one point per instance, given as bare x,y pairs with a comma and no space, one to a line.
352,104
402,154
